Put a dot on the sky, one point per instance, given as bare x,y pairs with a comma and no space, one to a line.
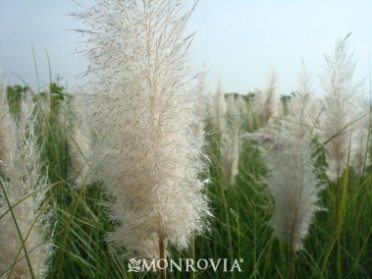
239,42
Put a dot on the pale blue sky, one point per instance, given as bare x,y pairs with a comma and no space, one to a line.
240,41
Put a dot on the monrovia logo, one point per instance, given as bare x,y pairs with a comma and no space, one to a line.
185,265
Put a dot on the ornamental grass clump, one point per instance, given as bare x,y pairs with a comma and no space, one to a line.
143,112
23,216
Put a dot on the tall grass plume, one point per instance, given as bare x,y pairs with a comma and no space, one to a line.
144,114
23,216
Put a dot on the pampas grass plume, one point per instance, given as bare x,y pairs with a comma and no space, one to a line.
266,101
5,141
230,147
144,115
287,150
23,187
294,185
294,188
341,109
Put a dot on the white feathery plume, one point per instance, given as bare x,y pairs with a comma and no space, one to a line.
221,110
230,148
294,184
5,141
144,115
293,187
304,110
266,101
340,109
202,111
227,121
23,187
359,154
287,150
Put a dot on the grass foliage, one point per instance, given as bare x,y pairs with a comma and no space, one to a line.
240,227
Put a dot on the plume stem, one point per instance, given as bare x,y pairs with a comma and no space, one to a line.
162,258
293,262
337,207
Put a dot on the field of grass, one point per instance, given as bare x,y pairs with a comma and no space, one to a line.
239,229
144,166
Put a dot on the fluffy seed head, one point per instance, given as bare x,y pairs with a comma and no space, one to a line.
287,150
342,110
294,189
23,187
266,101
147,151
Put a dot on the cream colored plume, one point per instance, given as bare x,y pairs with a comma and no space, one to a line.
144,114
342,112
23,188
